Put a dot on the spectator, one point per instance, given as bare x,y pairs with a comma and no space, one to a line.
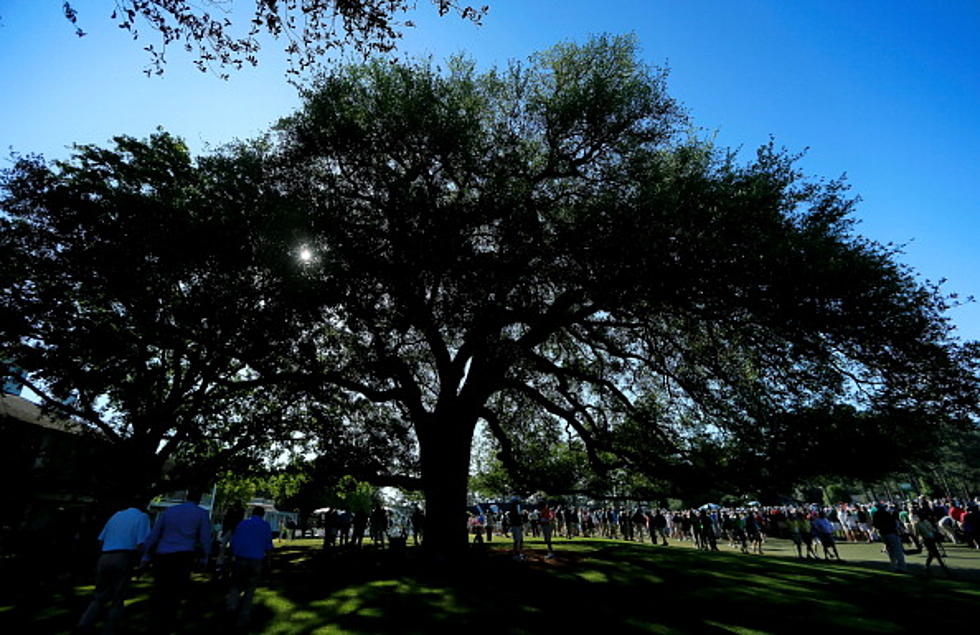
516,520
971,526
122,538
180,535
418,521
659,523
825,534
249,544
233,515
887,525
929,535
546,518
379,526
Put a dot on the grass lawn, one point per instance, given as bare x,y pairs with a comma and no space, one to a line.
592,586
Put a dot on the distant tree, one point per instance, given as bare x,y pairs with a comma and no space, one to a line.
130,298
281,486
956,469
308,28
318,489
353,495
233,489
545,250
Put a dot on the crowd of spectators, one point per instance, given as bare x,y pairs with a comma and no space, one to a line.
914,525
183,537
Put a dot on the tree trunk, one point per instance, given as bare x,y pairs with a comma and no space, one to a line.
445,455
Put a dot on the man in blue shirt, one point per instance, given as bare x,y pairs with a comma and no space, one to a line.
249,544
181,535
121,538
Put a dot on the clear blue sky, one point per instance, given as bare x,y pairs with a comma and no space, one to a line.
885,91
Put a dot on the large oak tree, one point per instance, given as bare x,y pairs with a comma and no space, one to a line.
545,249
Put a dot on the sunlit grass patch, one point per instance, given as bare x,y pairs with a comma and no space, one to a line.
735,629
593,576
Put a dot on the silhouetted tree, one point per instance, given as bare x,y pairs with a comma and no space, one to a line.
131,292
545,250
308,29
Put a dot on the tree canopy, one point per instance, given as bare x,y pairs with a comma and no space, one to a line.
130,290
543,250
308,29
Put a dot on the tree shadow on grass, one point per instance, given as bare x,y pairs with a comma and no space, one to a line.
591,586
611,588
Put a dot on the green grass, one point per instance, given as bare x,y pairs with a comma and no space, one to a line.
592,586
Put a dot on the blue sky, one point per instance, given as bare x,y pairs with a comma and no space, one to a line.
887,92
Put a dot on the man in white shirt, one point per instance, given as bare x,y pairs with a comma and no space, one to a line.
122,539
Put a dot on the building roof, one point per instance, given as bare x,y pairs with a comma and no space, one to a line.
20,409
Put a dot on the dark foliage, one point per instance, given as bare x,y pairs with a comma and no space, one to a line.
308,29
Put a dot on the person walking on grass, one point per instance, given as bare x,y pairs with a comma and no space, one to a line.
929,536
180,538
906,525
249,544
418,522
739,536
971,526
796,525
379,526
659,527
491,524
886,523
808,534
864,523
516,521
234,515
546,518
707,530
475,524
753,530
359,524
825,534
122,539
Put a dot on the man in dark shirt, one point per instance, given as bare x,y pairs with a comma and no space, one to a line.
885,521
418,520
